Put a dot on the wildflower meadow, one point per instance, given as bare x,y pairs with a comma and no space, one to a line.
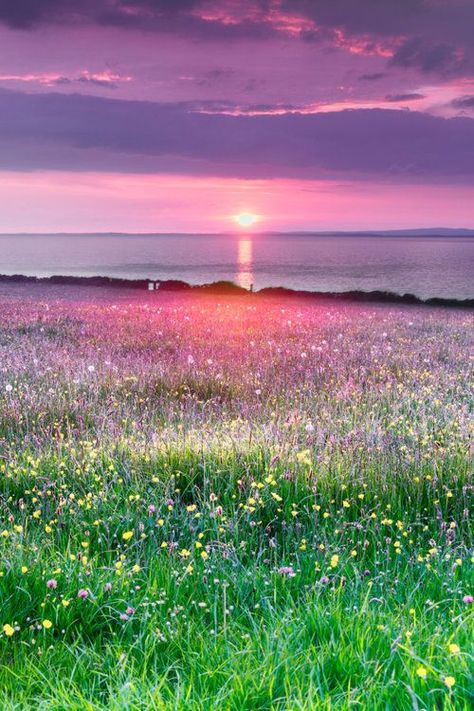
234,503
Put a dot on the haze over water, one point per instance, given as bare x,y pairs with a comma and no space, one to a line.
425,266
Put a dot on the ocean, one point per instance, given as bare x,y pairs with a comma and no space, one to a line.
427,266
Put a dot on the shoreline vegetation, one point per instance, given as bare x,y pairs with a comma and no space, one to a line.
229,288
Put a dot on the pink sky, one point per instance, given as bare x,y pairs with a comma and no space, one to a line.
159,116
63,202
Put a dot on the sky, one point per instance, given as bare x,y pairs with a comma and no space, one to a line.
177,115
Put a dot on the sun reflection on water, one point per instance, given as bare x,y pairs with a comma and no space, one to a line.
244,262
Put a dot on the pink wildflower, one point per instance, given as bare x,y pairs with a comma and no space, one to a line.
287,570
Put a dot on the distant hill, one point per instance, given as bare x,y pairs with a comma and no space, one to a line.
424,232
419,232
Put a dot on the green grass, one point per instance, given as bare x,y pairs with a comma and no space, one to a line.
355,641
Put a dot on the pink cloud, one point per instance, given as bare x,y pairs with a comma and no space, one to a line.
84,76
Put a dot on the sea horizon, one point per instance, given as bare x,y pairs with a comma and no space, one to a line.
433,232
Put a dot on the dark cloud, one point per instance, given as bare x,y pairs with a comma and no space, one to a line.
76,132
463,102
375,76
181,21
395,98
429,58
28,13
377,17
84,79
180,16
213,76
451,19
24,14
445,26
219,73
427,35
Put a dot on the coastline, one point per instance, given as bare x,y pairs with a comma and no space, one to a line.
227,288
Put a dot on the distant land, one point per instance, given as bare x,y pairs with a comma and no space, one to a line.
418,232
421,232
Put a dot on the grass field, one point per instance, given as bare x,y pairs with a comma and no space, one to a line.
234,504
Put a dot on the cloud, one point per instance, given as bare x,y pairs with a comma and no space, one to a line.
210,78
463,102
77,132
429,58
375,76
426,35
29,13
105,79
232,108
451,19
25,14
396,98
187,17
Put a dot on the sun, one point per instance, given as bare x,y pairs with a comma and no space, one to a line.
246,219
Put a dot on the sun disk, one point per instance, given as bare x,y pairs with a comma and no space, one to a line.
246,219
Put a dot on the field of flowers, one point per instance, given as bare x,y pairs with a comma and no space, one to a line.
234,503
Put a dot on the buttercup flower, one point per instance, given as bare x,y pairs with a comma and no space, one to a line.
8,630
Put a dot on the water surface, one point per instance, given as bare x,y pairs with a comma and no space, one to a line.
425,266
